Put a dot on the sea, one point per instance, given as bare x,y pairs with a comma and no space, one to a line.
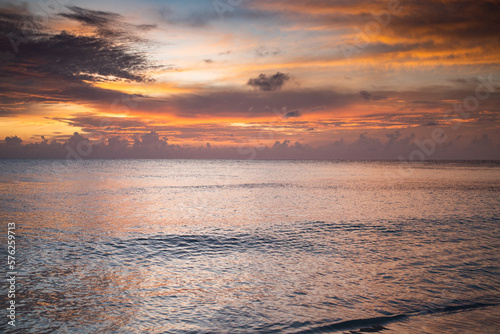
227,246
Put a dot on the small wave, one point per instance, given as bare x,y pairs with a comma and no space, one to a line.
375,324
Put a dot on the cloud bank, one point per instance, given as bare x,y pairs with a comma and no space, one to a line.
153,146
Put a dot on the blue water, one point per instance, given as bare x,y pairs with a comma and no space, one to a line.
189,246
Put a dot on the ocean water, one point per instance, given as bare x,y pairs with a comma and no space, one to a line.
190,246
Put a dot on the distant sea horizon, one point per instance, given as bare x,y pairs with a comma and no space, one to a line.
269,159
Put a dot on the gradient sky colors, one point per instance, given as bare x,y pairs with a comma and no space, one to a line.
252,72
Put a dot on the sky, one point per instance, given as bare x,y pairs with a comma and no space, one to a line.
407,80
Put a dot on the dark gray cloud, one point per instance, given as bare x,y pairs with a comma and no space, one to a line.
14,140
292,114
46,66
40,57
269,83
79,58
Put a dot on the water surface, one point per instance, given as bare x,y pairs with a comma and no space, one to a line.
189,246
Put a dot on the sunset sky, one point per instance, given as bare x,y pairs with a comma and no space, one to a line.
252,72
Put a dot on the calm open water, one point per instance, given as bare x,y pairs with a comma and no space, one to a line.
171,246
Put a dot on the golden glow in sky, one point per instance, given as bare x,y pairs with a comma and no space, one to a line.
256,72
